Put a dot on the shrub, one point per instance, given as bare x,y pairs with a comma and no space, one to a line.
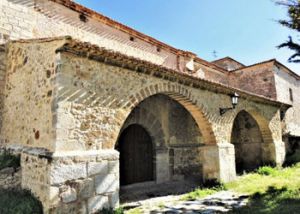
9,160
112,211
19,202
266,170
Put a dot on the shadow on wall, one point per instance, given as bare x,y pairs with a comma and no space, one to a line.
247,139
293,151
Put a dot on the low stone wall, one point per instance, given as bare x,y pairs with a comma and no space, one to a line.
10,178
73,182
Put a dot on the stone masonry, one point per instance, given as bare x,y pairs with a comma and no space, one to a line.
72,81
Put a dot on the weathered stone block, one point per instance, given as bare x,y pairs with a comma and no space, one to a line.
114,199
85,188
69,195
97,203
54,198
61,173
106,183
113,166
97,168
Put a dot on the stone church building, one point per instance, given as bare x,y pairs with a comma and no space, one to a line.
93,105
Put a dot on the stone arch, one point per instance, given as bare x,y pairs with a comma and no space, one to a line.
153,127
267,146
180,94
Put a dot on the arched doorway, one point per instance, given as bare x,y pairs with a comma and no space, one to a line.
248,142
136,155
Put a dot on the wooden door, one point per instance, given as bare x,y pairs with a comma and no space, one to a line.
136,155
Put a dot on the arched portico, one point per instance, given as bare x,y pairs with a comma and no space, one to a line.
176,138
252,140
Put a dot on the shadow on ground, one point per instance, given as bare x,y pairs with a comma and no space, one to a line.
282,200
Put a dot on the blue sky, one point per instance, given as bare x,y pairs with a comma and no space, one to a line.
246,30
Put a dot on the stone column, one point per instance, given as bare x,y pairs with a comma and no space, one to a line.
162,166
219,162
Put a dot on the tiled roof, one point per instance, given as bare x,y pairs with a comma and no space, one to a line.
117,25
94,52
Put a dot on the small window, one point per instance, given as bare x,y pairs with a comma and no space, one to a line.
291,95
282,115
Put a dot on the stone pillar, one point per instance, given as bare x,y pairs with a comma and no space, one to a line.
73,182
162,166
219,162
280,152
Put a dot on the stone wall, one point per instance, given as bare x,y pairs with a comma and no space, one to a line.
19,19
83,116
10,178
176,136
258,79
72,182
42,18
2,78
285,82
28,103
228,64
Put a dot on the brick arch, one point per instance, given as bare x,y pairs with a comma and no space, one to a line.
180,94
262,122
269,154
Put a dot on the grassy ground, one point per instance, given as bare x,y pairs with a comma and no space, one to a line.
272,190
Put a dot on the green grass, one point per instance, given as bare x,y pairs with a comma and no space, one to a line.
275,201
19,202
202,192
9,160
135,211
271,190
260,181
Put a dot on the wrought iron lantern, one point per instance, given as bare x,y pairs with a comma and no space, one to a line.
234,102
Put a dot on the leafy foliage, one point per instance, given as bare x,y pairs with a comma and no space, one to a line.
19,202
9,160
266,170
293,23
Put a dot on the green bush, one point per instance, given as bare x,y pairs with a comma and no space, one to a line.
267,170
19,202
112,211
9,160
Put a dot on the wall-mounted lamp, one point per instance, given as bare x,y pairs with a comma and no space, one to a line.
234,102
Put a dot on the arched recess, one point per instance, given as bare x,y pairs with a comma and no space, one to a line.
180,94
175,158
252,140
136,155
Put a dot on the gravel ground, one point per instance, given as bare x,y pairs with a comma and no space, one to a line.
220,202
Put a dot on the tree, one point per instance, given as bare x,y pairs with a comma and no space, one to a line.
293,23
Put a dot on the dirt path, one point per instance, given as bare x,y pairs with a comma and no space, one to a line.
220,202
